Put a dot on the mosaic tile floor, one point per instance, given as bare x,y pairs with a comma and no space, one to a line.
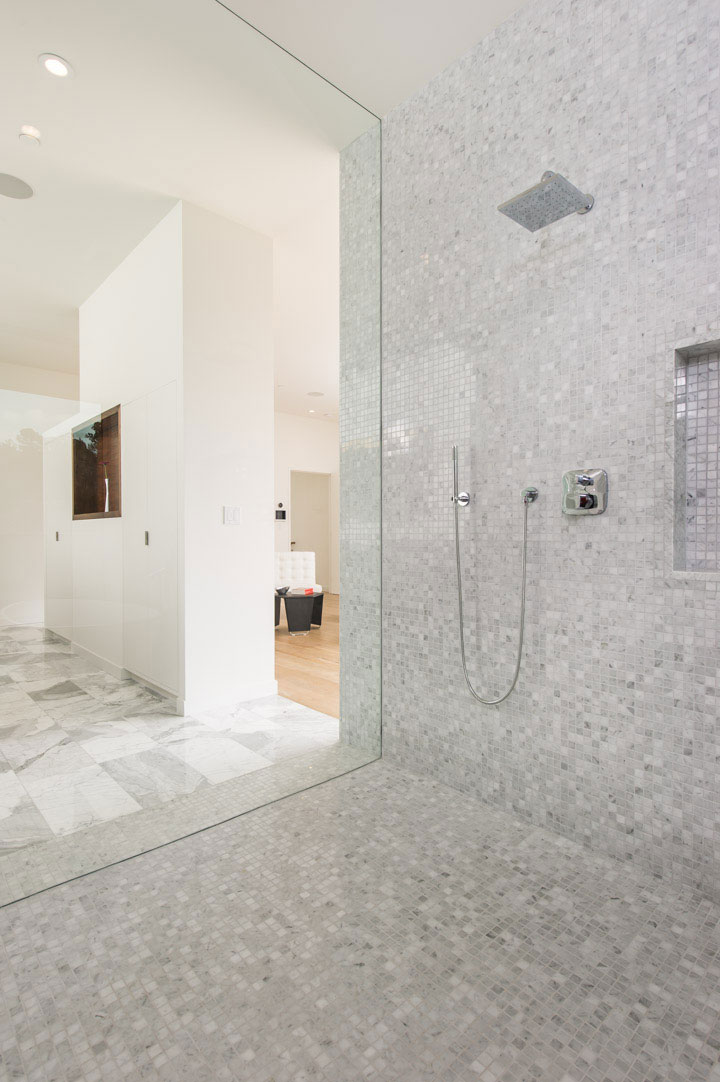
380,927
79,747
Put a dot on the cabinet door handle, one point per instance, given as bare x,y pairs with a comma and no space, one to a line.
147,537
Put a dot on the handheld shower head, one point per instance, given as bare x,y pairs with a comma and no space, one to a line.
553,198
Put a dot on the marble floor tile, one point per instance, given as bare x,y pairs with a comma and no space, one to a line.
216,756
25,750
132,696
28,633
71,802
21,822
11,692
54,691
276,747
87,747
114,744
18,708
78,711
274,706
99,683
62,759
154,777
9,646
238,718
163,724
282,738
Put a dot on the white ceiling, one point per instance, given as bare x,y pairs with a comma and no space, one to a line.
378,51
178,99
170,100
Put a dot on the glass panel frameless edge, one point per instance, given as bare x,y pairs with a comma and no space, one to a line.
73,705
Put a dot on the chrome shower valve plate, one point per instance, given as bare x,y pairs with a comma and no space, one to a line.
585,492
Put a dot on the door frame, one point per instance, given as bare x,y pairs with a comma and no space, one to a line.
318,473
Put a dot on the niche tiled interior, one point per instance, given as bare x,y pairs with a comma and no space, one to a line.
697,458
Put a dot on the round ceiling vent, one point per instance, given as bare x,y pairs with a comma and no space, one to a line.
13,187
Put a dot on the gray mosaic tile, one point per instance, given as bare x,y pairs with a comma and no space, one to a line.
360,451
536,354
380,927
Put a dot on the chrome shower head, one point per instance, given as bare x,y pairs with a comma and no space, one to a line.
553,198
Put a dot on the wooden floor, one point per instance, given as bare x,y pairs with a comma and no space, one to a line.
307,667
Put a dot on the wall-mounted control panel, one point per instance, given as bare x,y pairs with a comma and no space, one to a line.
585,492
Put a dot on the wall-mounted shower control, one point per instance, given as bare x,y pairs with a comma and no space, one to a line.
585,492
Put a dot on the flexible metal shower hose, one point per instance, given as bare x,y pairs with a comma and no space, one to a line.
526,501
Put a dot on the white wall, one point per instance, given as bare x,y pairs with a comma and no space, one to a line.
57,507
21,537
131,326
39,381
23,419
307,310
130,345
305,443
191,307
228,455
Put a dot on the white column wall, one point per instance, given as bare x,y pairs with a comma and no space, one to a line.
130,344
228,457
190,307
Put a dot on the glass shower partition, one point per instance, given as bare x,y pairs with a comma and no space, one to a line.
110,741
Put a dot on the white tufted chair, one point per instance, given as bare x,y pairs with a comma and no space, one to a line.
295,569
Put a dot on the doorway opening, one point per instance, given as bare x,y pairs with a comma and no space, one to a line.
307,658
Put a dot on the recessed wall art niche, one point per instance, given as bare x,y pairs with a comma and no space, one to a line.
96,467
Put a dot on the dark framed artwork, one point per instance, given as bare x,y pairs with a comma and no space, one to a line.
96,467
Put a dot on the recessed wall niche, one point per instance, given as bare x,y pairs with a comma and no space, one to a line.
96,467
697,458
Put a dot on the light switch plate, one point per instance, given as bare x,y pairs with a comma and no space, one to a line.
232,516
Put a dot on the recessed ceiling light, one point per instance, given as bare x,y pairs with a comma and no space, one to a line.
311,411
55,65
29,134
13,187
316,394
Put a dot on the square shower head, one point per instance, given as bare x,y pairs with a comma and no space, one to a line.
553,198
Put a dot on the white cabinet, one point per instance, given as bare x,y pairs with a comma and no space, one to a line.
57,509
150,538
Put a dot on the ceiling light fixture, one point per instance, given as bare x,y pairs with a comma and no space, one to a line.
29,134
316,394
311,411
14,188
55,65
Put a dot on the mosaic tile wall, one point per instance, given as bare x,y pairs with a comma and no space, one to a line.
360,511
697,453
539,353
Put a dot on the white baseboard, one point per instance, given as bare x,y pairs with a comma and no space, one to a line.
157,688
121,673
182,706
102,662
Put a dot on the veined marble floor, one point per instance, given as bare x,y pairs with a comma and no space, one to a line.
79,747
